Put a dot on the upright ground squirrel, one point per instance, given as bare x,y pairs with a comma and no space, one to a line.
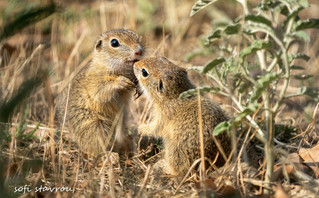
100,91
175,120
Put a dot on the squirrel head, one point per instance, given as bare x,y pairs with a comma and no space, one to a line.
117,50
161,79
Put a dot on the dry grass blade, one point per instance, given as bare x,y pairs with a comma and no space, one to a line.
115,128
27,61
75,50
201,138
112,181
161,45
148,170
145,112
163,29
188,172
311,124
51,117
67,81
102,172
63,123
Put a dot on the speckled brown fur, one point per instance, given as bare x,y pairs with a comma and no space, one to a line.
176,120
100,92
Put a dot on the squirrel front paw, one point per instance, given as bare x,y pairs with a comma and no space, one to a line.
125,83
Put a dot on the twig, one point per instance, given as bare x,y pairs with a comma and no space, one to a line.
148,170
201,139
51,117
102,181
64,118
111,181
163,27
188,172
75,49
160,45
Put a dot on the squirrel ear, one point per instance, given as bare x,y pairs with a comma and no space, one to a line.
98,45
160,87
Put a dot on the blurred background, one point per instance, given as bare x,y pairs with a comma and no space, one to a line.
64,38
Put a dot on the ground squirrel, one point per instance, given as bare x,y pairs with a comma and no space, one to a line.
175,120
100,91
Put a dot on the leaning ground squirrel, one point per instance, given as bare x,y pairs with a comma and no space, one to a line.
175,119
99,93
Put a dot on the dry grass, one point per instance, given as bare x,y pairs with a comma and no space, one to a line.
62,44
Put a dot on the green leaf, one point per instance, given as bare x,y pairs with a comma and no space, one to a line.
262,84
251,108
232,29
197,68
228,30
31,134
300,35
22,124
301,91
215,34
193,92
303,76
221,127
269,5
244,86
197,52
284,9
304,3
253,27
293,14
212,64
258,19
302,56
296,67
309,23
23,20
254,47
312,92
199,5
308,91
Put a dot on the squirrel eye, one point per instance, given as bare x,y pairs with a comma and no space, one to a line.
144,73
115,43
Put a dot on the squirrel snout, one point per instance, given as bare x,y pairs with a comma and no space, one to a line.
139,51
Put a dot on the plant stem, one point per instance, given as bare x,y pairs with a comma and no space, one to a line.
269,134
260,134
269,144
244,4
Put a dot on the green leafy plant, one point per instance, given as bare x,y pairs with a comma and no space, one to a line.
258,76
21,132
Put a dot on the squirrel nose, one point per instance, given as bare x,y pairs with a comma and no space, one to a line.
139,51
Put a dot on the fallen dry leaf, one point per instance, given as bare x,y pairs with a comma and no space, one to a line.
209,183
224,189
296,162
311,158
227,191
280,192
